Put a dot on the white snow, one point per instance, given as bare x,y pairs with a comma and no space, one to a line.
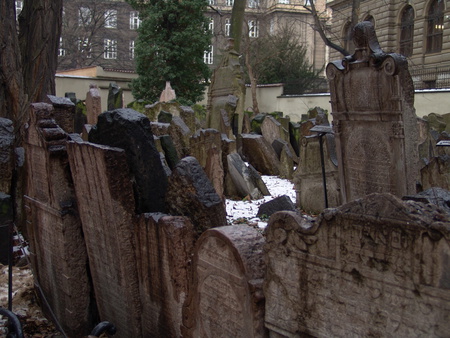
246,210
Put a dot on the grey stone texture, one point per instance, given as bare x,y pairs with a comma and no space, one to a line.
226,298
260,154
93,104
190,193
372,97
376,266
281,203
131,131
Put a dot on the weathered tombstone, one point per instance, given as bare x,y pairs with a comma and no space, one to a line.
206,147
115,96
63,112
437,196
372,98
170,152
106,205
168,94
376,266
131,131
93,104
436,173
190,193
245,179
53,226
187,114
226,298
6,220
271,130
180,134
164,248
260,154
164,117
6,154
281,203
287,157
226,91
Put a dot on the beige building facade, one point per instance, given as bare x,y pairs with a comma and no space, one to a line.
417,29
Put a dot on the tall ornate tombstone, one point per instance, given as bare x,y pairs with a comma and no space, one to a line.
226,93
372,99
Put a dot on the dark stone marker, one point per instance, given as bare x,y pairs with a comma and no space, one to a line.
6,218
190,193
282,203
115,96
131,131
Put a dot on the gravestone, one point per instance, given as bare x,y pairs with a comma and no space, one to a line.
168,94
63,112
260,154
54,229
206,147
372,97
226,298
106,205
164,248
131,131
6,154
180,133
374,267
281,203
436,173
190,193
115,96
271,130
226,91
93,104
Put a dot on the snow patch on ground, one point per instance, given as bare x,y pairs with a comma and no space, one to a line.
246,211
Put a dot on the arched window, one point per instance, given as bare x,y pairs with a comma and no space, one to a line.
407,31
370,18
435,27
347,38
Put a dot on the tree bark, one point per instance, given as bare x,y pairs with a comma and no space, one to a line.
13,103
39,33
237,22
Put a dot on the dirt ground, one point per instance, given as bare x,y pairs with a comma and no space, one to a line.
24,304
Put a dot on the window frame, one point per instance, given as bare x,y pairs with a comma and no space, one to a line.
406,31
135,21
110,49
208,55
110,16
435,27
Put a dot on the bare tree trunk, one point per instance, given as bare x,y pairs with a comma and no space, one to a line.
13,103
253,84
321,32
237,21
39,33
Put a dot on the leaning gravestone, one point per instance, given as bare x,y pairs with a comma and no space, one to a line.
372,99
54,228
131,131
374,267
63,112
93,104
115,96
226,298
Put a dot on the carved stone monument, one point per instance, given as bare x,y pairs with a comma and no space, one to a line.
372,98
374,267
168,94
93,104
226,93
226,298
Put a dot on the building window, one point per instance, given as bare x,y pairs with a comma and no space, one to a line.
307,3
435,26
229,2
211,25
61,49
227,27
84,16
110,49
253,29
85,47
283,2
407,31
131,50
208,56
111,18
212,2
135,22
252,3
19,7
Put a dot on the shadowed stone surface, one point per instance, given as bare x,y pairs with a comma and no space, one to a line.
226,298
376,266
437,196
281,203
260,154
436,173
190,193
63,112
6,219
131,131
93,104
54,229
115,96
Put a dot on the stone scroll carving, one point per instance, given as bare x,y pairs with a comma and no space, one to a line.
372,99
